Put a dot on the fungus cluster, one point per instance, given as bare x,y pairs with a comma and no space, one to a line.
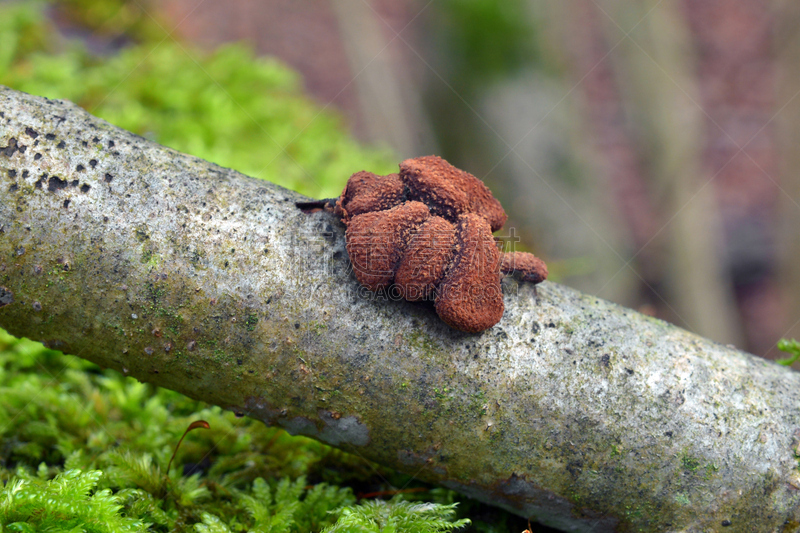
428,230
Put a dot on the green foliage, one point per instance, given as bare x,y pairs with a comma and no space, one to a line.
115,19
64,503
396,516
792,347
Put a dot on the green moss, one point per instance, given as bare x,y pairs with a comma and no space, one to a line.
690,464
711,469
423,341
792,347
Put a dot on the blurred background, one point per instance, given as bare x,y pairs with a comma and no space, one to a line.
646,149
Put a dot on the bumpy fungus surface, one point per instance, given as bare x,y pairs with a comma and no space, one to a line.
429,230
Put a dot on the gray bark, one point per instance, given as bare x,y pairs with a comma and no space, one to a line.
571,411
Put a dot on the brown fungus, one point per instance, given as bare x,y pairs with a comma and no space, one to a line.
449,191
429,230
469,297
527,266
376,241
366,192
427,256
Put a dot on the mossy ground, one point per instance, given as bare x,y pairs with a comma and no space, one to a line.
86,449
89,448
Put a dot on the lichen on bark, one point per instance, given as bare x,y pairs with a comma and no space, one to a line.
571,410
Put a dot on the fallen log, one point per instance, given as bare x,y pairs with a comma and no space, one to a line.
571,411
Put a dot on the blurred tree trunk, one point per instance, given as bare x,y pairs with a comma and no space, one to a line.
788,46
735,65
593,196
389,104
654,62
628,134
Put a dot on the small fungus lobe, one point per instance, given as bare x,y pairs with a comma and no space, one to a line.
427,256
366,192
428,230
450,191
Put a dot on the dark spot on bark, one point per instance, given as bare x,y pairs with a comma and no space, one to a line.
55,183
629,371
80,168
66,204
6,296
605,360
10,148
111,144
108,177
551,325
85,187
50,137
726,523
96,140
239,362
85,144
105,219
61,145
32,132
297,325
535,328
13,188
575,468
93,163
37,306
12,173
37,157
73,183
668,434
25,173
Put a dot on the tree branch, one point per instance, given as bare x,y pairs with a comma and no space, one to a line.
572,411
